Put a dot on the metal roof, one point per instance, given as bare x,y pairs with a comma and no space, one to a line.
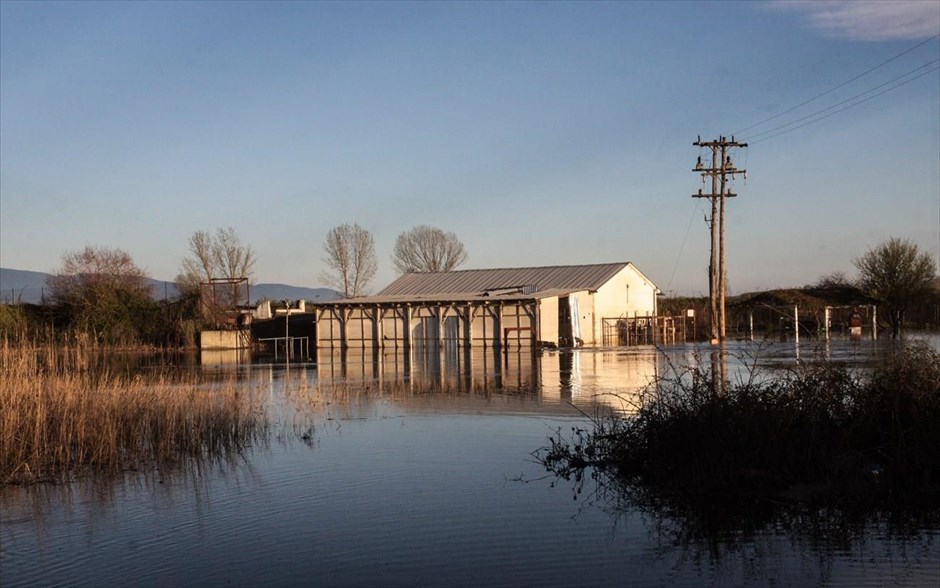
527,279
442,299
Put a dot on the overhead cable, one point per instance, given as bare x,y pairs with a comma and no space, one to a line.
833,89
886,90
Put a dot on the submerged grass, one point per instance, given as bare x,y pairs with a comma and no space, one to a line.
817,433
60,419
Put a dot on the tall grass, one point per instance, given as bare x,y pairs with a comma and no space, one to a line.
60,419
816,433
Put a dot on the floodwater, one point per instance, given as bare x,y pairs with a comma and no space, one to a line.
432,482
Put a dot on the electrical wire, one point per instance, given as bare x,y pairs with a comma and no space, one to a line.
833,89
675,266
847,100
886,90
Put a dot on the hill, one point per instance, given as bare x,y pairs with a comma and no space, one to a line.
21,286
30,287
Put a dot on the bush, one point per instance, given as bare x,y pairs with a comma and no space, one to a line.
818,432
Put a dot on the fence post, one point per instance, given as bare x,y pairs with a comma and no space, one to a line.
796,324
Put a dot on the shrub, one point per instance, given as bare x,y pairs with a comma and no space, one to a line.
817,432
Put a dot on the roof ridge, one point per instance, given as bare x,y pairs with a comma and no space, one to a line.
490,269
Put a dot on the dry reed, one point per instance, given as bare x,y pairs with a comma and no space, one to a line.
60,419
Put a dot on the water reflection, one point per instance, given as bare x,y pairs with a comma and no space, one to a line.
212,357
397,469
762,542
589,378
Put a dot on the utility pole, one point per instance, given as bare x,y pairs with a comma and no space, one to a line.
719,172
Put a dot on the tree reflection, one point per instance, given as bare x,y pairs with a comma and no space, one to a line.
728,477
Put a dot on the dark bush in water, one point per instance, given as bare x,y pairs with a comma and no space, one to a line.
816,433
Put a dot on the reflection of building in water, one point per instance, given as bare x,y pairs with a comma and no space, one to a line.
224,356
609,378
584,377
464,369
521,308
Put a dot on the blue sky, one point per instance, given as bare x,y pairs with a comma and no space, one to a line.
540,133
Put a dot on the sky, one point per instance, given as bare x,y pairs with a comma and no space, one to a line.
545,133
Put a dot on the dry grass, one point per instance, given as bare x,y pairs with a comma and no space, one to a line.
61,419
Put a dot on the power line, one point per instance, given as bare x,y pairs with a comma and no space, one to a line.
833,89
885,91
847,100
675,266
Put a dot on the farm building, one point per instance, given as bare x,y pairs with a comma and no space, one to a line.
510,307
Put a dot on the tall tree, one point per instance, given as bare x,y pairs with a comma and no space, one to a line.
100,290
427,249
221,255
350,259
897,273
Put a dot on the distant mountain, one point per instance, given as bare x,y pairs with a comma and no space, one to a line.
30,287
21,286
285,292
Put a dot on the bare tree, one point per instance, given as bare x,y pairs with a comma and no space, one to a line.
94,269
836,279
897,273
102,291
222,255
199,267
350,259
427,249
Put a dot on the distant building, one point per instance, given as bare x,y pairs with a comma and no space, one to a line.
512,307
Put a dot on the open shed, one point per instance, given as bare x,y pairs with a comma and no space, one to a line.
508,307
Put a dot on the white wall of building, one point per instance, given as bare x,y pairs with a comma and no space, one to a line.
627,294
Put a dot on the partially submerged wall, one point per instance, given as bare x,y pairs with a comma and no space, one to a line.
224,339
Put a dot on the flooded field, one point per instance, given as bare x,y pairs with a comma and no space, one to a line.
394,471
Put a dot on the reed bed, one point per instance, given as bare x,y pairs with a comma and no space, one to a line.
61,419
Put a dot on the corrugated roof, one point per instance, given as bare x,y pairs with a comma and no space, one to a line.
477,282
445,299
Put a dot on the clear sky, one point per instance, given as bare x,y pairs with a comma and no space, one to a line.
540,133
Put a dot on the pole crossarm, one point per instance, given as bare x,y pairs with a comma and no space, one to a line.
712,170
719,143
726,195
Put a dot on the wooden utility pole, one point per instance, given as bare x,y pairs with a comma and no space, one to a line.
720,170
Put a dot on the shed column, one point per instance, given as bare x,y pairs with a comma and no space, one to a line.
467,316
498,326
343,333
440,311
376,328
406,335
317,315
534,323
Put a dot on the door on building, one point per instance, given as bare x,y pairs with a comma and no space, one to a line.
569,325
